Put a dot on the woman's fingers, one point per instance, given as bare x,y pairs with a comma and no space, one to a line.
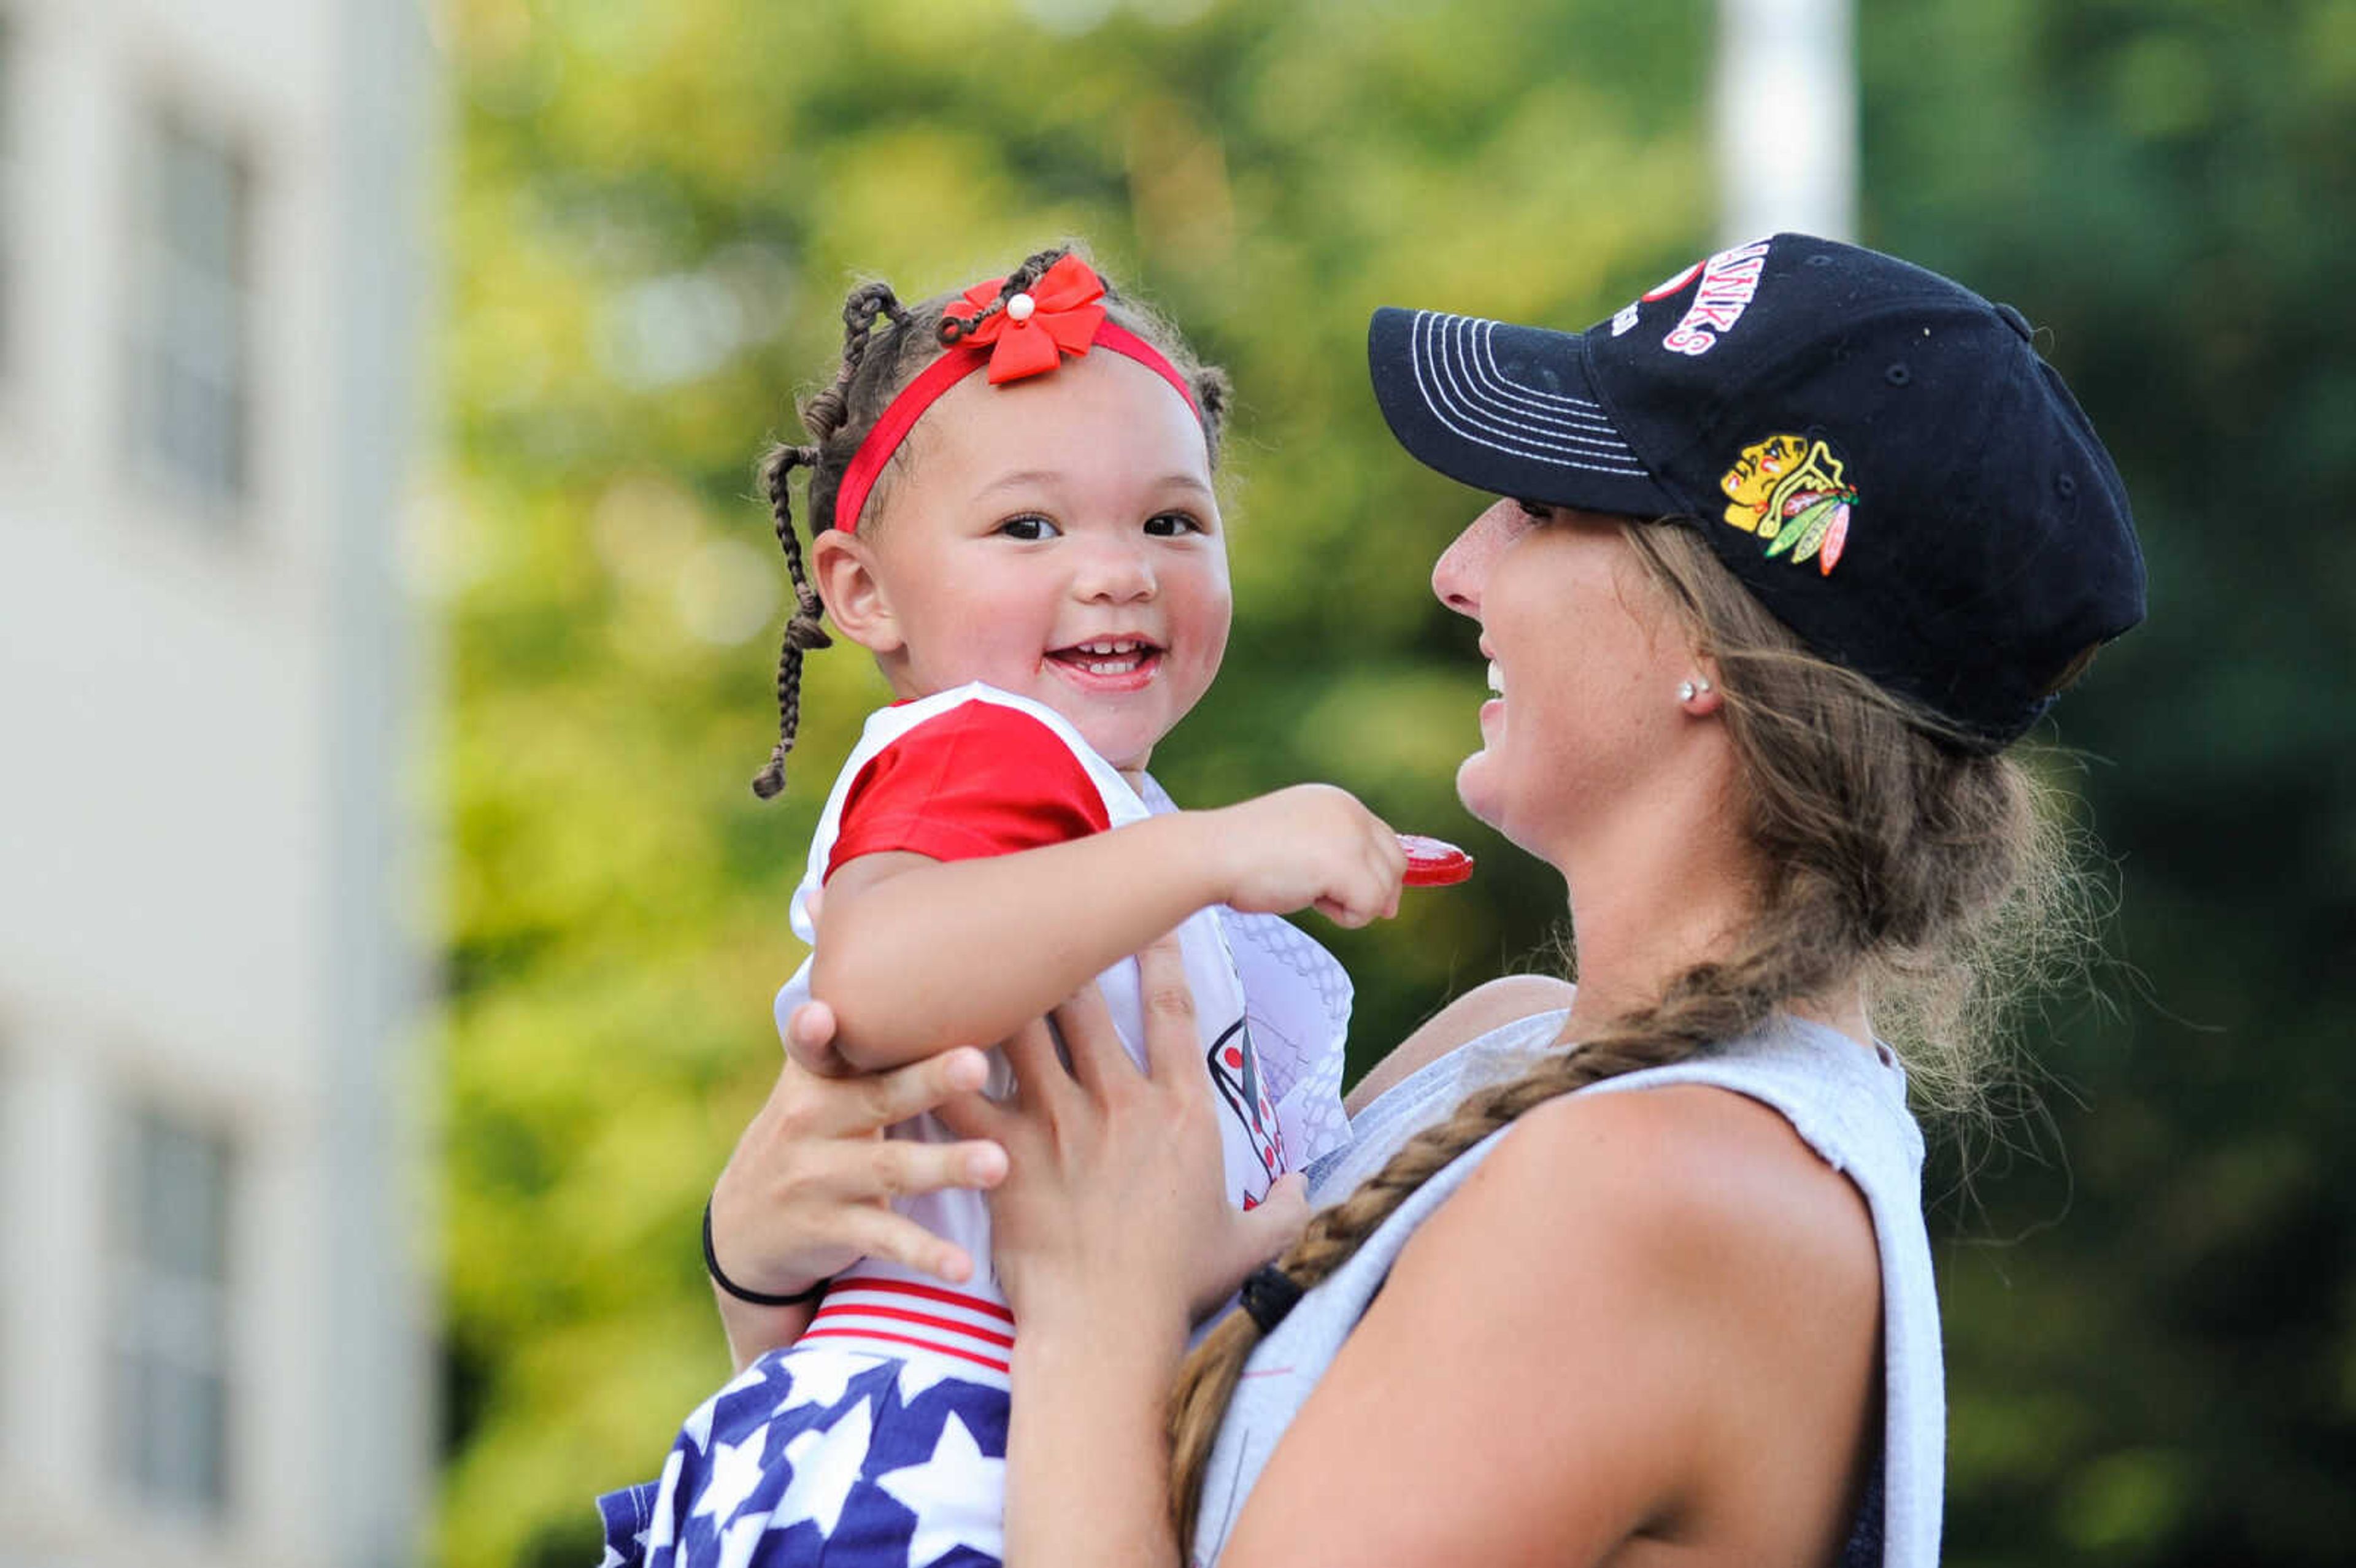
1257,1236
979,1120
842,1107
1040,1079
1090,1041
895,1238
882,1169
1171,1043
809,1040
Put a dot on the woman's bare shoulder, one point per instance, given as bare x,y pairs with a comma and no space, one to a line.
1694,1178
1664,1296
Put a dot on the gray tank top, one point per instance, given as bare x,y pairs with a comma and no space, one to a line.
1850,1105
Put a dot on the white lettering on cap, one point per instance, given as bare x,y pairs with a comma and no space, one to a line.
1729,282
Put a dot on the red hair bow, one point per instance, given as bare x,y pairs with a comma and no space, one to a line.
1029,335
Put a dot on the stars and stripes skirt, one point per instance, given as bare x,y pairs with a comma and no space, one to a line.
825,1454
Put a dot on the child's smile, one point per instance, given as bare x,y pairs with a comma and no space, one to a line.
1108,664
1057,537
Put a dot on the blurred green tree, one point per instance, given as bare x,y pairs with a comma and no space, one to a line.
653,212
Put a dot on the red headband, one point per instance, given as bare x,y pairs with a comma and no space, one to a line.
1057,316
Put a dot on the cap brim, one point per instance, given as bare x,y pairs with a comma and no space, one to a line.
1505,408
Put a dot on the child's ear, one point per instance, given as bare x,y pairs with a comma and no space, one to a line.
842,568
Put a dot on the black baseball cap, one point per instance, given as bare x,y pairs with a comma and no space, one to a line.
1880,455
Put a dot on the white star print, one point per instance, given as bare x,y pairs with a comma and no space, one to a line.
699,1425
612,1558
658,1535
737,1541
918,1373
826,1462
736,1471
821,1376
957,1495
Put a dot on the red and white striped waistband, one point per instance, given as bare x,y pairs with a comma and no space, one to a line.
894,1316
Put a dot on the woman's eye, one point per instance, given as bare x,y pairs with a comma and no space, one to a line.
1537,511
1168,525
1028,526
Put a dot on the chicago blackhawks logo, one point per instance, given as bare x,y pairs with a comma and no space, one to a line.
1235,1068
1789,490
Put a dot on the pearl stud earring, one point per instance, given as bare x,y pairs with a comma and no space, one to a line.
1690,689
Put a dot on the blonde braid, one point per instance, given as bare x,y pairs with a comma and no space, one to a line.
1797,950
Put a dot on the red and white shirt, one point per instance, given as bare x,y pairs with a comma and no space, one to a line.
978,772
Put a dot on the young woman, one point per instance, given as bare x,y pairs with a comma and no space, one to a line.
1795,548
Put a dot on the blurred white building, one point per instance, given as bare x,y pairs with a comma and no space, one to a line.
214,1301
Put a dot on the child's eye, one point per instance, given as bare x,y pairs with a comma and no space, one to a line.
1030,526
1537,511
1170,525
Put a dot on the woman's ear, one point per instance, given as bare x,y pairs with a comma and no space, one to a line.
1697,694
843,566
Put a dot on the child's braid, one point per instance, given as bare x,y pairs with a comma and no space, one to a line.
804,631
823,415
885,343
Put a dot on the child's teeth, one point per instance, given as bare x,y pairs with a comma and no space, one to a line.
1496,680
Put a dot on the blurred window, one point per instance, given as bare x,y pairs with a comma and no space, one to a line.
168,1369
190,363
9,176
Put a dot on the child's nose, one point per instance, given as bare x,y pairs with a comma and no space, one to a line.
1115,571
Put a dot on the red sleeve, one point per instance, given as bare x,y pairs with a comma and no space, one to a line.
981,779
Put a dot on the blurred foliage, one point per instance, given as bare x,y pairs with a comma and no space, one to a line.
653,212
2157,1362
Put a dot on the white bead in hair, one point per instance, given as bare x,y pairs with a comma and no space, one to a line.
1019,307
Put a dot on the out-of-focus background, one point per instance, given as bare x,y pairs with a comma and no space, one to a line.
386,627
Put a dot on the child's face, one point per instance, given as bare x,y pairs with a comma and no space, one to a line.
1057,537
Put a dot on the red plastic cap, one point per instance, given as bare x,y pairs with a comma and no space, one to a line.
1433,862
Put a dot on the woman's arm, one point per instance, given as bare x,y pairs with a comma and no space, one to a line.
1490,1006
1647,1315
917,955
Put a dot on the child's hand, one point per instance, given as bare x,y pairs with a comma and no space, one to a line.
1310,846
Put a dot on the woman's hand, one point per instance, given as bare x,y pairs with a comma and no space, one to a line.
1115,1204
807,1192
1112,1233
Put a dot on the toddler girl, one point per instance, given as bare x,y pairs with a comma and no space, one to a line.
1035,557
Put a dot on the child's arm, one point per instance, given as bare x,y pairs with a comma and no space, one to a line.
916,955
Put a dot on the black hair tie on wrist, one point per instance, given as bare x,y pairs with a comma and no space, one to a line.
758,1297
1269,1294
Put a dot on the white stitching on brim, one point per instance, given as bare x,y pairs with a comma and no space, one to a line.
1457,375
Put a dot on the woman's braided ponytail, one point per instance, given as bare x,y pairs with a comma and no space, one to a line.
1709,1003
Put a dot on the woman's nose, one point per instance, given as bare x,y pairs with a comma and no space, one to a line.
1463,566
